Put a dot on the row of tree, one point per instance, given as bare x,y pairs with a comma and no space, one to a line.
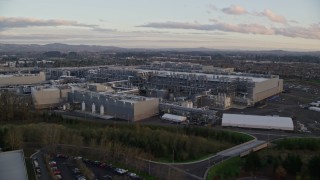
299,144
14,107
172,144
291,164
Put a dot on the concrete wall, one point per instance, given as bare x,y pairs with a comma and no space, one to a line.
64,93
20,80
265,89
46,98
146,109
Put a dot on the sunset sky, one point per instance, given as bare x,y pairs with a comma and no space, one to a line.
227,24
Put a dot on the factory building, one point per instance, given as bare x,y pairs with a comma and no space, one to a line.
49,97
22,79
123,106
238,88
218,91
185,67
257,122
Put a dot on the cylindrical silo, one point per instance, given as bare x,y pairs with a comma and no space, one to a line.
93,108
101,110
83,107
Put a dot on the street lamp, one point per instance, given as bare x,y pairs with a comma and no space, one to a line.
172,154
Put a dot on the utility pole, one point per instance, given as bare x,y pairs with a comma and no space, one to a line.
173,155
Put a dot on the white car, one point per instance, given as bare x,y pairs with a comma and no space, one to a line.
58,176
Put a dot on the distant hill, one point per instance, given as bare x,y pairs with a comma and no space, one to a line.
94,48
55,47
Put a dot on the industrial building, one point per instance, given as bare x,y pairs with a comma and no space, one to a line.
204,85
185,67
186,89
217,91
12,165
123,106
22,79
198,115
257,122
45,97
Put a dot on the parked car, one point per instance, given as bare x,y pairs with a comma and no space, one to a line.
38,171
76,170
61,156
58,176
56,172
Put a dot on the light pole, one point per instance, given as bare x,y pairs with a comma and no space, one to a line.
173,155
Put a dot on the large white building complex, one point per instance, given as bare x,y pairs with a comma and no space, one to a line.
134,93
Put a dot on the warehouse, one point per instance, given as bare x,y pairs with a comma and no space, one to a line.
12,165
258,122
123,106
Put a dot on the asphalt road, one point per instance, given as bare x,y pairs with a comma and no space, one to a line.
199,168
42,165
65,168
103,172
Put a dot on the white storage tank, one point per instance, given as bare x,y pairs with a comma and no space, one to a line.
93,108
101,110
83,106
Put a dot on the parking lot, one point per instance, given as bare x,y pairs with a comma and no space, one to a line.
64,167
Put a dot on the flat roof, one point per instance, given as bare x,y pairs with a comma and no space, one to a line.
254,121
174,118
12,165
211,77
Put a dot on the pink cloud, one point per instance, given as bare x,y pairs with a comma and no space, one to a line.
312,32
235,10
272,16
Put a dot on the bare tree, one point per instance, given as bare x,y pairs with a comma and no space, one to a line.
14,137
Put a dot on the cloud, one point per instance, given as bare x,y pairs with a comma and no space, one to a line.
20,22
100,29
294,21
212,7
213,20
235,10
312,32
272,16
239,10
241,28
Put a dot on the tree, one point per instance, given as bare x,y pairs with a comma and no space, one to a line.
14,107
14,138
314,166
280,172
51,135
292,163
253,162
